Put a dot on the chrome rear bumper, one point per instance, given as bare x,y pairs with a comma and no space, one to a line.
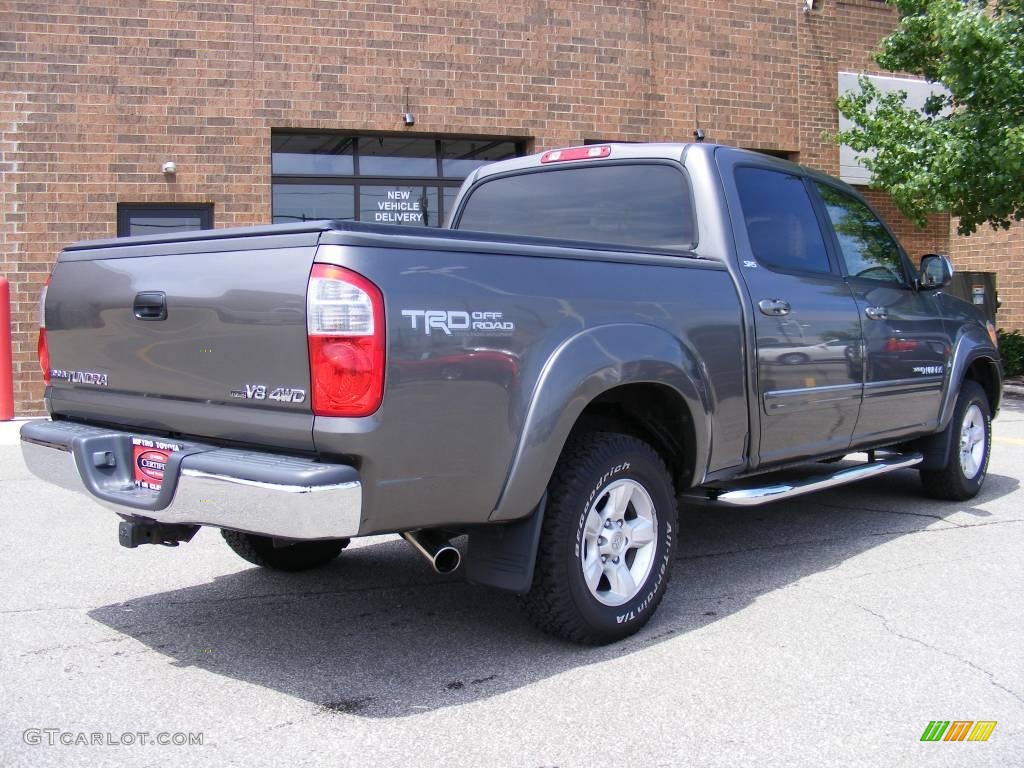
269,494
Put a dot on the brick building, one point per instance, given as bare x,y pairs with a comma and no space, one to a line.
295,109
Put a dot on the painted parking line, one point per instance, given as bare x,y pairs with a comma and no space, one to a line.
1008,440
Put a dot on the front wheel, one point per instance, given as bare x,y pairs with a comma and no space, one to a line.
607,542
970,445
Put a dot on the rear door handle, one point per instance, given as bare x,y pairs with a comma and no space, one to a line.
150,305
877,313
773,307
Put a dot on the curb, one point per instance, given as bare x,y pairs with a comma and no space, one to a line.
1013,390
9,431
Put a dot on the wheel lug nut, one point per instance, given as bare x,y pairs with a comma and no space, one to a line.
607,523
601,540
620,523
615,559
604,558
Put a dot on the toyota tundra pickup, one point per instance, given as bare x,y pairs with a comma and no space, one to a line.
600,335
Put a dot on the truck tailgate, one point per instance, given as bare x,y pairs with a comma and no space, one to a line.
186,336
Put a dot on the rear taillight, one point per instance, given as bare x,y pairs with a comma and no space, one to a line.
41,348
345,328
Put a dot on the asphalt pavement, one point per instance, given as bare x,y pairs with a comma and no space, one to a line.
829,630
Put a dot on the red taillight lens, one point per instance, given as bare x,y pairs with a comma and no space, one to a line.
44,355
345,327
42,350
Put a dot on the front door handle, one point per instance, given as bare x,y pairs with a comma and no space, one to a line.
773,307
877,313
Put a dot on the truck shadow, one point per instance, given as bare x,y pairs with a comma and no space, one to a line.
378,635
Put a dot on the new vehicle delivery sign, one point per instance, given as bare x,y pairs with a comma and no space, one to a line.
398,207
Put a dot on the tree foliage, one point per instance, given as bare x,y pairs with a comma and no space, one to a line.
964,153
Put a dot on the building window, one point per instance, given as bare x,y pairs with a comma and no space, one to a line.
375,178
160,218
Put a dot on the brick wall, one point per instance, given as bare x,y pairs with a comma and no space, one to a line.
933,238
843,39
96,97
1000,251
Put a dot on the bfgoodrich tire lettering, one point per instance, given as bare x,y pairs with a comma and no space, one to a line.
970,444
563,599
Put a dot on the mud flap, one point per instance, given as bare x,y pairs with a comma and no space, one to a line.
934,448
503,556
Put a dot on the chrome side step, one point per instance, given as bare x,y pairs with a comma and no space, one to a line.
750,497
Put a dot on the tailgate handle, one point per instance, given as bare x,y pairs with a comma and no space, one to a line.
150,305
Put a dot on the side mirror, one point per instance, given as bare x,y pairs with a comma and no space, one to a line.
936,271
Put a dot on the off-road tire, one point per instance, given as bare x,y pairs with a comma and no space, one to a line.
559,601
300,556
951,482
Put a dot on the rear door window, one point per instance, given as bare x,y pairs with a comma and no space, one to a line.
780,221
638,206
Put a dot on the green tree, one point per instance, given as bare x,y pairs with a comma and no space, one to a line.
964,153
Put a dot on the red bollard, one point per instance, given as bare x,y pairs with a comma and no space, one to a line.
6,372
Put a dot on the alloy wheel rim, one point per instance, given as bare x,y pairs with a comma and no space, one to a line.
619,542
972,442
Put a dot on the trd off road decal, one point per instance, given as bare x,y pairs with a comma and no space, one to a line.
453,322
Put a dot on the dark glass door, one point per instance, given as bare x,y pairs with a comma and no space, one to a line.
158,219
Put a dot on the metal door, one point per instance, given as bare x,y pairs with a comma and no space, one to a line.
906,344
808,336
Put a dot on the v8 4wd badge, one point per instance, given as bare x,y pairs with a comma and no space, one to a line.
263,392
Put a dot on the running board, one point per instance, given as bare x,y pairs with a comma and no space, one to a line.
751,497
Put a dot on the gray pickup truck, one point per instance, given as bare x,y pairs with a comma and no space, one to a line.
601,334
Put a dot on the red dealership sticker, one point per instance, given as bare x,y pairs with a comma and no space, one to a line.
149,458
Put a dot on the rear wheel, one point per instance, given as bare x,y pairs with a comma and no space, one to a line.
970,444
607,542
299,556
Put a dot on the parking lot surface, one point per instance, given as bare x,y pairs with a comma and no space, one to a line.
828,630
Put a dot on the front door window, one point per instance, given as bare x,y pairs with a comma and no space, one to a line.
867,250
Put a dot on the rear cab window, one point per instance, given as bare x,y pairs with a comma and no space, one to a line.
638,205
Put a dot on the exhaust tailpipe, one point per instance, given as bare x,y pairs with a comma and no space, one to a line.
439,552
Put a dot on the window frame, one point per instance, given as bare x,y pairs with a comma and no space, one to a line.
158,210
834,267
368,181
684,249
356,180
909,277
